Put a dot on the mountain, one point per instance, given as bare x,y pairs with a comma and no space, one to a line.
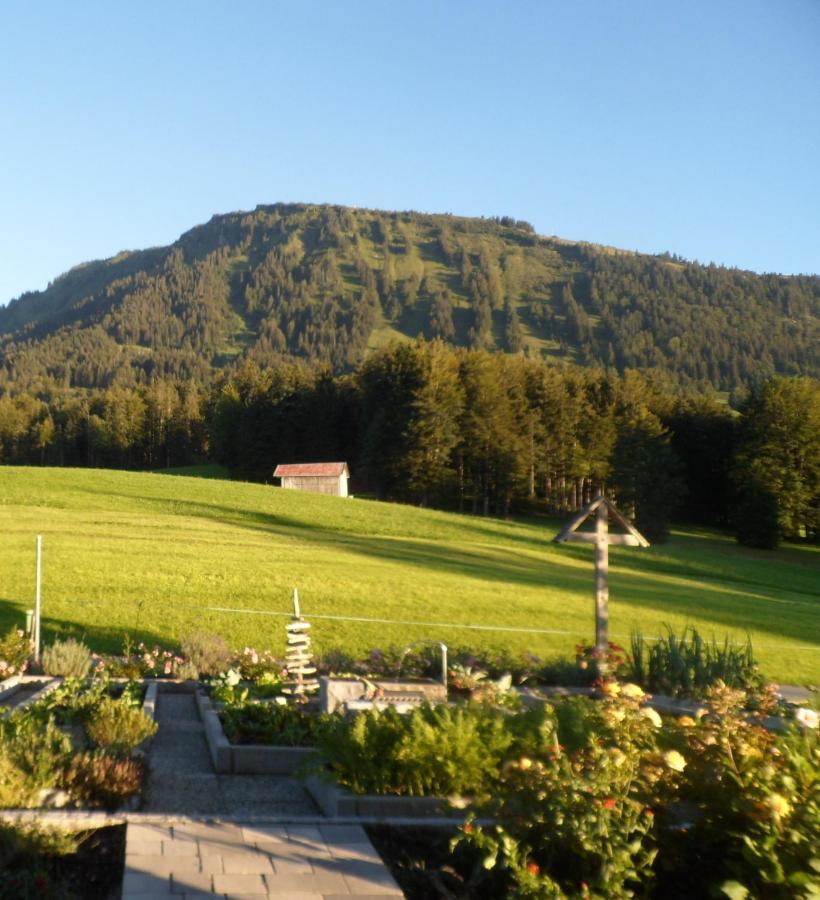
328,284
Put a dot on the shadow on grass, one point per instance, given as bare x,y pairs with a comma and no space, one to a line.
100,638
721,597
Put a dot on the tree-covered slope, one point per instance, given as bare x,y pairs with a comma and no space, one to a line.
329,283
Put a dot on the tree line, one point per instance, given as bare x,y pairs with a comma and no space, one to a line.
465,429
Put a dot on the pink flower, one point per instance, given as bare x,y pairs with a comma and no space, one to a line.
167,667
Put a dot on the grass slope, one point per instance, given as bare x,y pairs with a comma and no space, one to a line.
145,553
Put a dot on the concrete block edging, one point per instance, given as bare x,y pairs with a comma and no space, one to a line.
246,759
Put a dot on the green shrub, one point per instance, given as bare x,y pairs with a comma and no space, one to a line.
433,751
208,653
689,665
33,756
99,780
118,727
69,658
15,650
273,724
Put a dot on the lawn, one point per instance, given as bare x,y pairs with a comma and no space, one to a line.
159,557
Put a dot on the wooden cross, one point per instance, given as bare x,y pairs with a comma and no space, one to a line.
603,508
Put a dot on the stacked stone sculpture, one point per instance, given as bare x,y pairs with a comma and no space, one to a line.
298,658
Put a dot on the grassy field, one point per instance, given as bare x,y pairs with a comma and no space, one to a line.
149,554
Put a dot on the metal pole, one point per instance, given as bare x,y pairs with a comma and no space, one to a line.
602,586
37,608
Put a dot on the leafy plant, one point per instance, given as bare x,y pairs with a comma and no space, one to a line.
286,725
208,653
689,665
72,702
100,780
69,658
118,727
33,756
435,750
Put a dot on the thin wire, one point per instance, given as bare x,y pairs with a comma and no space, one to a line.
458,625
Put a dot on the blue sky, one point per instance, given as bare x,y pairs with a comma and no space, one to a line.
692,127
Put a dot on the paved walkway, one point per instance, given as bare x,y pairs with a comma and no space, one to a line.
300,862
191,853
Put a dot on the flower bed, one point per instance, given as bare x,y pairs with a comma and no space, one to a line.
76,746
286,751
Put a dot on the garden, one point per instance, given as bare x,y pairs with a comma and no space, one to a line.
564,778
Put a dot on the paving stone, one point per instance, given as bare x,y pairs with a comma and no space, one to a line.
344,834
211,863
318,883
292,866
235,884
143,848
367,887
246,863
264,833
367,877
180,847
148,833
152,895
209,831
191,882
164,865
365,852
294,850
303,895
306,833
141,882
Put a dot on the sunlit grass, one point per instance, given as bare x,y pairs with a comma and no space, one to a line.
153,555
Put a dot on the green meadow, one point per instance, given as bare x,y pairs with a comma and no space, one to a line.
157,557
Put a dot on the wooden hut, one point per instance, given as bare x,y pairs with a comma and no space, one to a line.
317,478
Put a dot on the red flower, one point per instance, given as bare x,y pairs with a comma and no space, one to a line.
468,828
609,803
533,868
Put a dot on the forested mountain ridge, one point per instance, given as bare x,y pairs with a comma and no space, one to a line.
328,284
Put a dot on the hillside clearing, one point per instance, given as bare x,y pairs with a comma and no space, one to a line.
150,555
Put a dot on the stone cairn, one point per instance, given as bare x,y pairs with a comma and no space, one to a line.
298,658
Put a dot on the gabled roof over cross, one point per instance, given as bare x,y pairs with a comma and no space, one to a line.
631,538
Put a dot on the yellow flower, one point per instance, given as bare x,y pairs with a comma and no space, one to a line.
617,714
779,805
525,762
686,721
618,758
610,689
674,760
648,713
632,691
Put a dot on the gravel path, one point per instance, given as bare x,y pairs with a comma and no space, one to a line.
182,780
